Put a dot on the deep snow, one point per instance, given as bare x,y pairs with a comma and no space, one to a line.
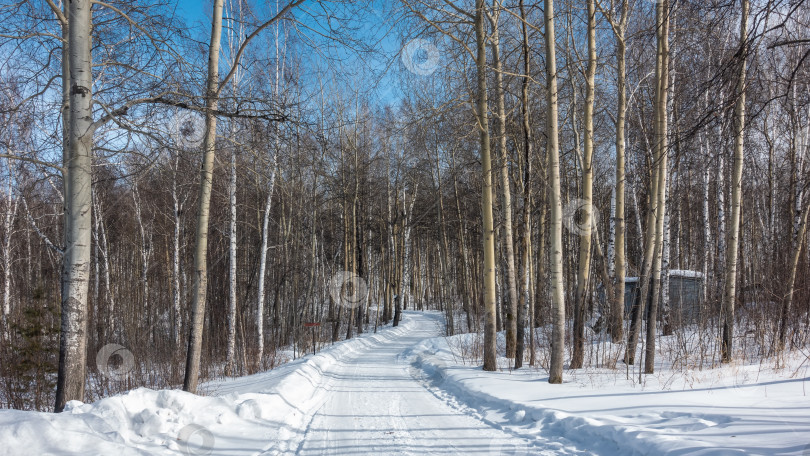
405,391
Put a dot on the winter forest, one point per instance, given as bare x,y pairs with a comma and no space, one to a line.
592,193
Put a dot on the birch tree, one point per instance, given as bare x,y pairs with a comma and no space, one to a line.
524,312
553,151
213,88
619,28
662,13
78,204
730,293
506,188
584,263
490,356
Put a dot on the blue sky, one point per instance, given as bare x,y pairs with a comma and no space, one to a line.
195,10
197,14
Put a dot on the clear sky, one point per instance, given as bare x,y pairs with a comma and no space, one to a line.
195,10
377,25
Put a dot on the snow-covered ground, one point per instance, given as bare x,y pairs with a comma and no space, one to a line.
406,391
732,410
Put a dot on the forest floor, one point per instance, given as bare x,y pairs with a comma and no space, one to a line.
406,390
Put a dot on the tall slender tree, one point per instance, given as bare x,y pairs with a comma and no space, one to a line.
585,238
553,151
733,245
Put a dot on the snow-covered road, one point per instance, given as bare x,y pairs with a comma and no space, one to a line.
376,406
402,391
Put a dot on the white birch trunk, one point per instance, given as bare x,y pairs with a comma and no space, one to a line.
511,296
200,281
707,231
146,241
230,356
263,262
231,350
721,216
177,291
586,189
78,200
553,149
8,226
730,293
611,247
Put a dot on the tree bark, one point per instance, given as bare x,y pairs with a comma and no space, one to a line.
584,262
730,293
553,150
787,307
199,287
508,236
260,295
617,327
661,121
524,310
490,354
231,319
78,201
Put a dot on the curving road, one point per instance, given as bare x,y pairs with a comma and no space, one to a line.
376,407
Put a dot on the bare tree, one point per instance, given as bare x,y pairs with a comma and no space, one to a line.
730,293
553,151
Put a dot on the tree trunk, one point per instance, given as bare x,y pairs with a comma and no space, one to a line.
787,307
584,262
176,292
260,295
617,327
524,310
8,226
490,354
661,120
648,246
707,233
730,293
199,287
508,237
231,350
553,150
78,201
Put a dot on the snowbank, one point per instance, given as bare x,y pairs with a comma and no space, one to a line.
727,411
267,415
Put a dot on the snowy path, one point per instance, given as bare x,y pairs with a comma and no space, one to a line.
402,391
375,406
